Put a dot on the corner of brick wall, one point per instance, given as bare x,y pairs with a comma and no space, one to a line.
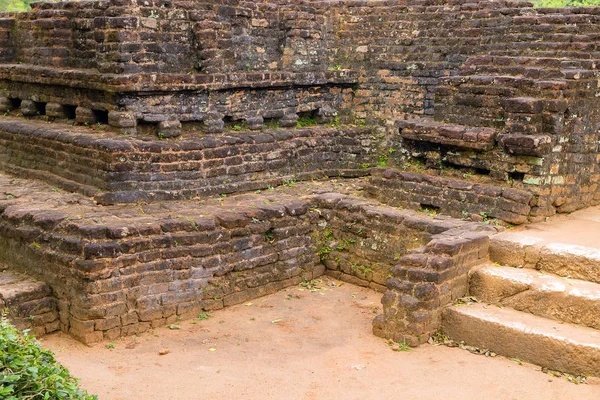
427,280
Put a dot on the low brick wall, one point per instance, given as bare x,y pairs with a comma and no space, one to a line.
458,198
362,241
117,271
428,279
116,169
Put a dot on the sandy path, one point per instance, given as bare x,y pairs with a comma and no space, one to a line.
298,344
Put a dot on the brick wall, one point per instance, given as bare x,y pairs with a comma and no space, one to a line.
117,169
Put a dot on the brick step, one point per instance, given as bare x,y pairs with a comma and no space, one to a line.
30,303
119,169
125,269
526,249
455,197
506,50
558,346
546,295
428,130
547,63
529,72
504,80
468,115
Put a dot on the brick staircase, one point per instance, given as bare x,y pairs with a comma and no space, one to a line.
511,121
539,301
29,304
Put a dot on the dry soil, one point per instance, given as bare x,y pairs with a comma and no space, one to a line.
298,344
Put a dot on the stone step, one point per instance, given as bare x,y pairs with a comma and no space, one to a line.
558,346
545,295
30,303
562,259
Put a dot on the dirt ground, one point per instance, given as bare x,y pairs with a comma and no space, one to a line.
298,344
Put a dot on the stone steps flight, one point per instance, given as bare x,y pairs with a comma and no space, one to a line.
558,346
540,301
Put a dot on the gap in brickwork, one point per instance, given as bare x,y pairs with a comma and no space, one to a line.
146,128
101,116
233,124
16,103
516,176
481,171
307,118
429,208
70,112
40,107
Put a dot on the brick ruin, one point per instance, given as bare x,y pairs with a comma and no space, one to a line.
179,142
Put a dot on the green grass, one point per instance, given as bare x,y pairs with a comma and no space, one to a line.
565,3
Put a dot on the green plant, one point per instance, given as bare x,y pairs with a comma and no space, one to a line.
395,346
383,160
204,316
290,183
486,216
336,122
323,252
29,372
365,270
270,236
239,127
360,122
161,135
305,121
311,285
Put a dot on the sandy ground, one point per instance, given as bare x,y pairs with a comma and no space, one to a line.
298,344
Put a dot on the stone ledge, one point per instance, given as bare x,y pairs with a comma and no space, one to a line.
428,130
138,83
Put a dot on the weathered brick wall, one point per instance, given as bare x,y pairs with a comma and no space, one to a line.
117,169
29,304
119,271
427,280
129,274
120,36
361,243
7,39
403,48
